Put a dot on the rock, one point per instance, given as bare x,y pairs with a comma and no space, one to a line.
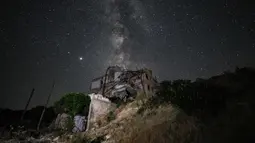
107,137
56,139
30,139
70,137
62,121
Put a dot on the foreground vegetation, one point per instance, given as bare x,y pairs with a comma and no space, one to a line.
73,104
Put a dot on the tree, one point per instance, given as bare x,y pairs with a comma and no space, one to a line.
73,103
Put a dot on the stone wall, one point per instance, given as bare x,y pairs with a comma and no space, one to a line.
99,106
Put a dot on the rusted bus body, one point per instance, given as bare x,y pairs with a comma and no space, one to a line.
122,83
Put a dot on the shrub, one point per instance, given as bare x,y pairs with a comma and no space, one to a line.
111,116
73,103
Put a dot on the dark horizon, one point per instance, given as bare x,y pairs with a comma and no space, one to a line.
74,41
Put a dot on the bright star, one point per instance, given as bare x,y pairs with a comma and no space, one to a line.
80,58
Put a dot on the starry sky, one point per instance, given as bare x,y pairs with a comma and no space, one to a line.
73,41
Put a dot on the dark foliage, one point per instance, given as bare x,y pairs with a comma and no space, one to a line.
224,104
206,97
73,103
12,117
111,116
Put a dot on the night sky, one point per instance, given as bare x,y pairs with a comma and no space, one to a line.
74,41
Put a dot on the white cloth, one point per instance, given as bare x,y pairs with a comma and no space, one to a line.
79,123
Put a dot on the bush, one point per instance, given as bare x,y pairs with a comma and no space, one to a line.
207,97
111,116
73,103
189,96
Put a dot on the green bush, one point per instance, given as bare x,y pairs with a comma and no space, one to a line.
111,116
73,103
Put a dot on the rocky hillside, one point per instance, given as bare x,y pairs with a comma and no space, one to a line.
218,109
133,123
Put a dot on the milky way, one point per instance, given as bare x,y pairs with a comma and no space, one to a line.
119,35
119,38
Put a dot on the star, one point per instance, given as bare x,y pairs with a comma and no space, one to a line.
70,40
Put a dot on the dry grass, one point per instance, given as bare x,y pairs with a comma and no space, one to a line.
161,125
166,132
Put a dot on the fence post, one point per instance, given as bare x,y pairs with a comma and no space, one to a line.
45,106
